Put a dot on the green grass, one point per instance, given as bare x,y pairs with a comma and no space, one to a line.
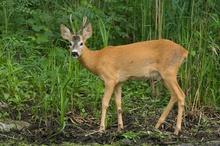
38,73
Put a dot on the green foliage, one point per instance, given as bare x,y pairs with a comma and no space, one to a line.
104,32
38,73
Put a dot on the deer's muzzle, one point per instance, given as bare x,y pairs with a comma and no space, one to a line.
75,54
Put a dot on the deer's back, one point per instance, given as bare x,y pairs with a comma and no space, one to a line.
160,51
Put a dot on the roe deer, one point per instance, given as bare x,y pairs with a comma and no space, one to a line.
115,64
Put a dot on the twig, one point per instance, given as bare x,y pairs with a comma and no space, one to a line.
93,132
8,136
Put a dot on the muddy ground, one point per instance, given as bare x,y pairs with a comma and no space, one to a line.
198,127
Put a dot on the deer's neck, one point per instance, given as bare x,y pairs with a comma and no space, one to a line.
88,59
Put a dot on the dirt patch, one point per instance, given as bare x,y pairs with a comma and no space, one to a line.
140,116
139,129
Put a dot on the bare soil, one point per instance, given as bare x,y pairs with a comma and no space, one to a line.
198,128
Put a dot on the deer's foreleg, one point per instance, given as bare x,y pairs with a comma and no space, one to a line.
109,87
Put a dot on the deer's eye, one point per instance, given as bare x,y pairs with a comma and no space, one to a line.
81,44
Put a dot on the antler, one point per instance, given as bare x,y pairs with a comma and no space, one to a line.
83,24
71,23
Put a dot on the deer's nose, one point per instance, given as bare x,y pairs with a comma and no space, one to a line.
75,54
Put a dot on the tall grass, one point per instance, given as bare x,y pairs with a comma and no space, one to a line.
104,32
38,73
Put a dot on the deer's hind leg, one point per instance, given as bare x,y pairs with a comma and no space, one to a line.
118,106
176,95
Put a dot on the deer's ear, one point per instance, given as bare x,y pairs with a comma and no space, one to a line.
65,32
87,32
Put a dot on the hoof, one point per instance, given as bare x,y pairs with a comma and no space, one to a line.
120,130
120,127
101,131
176,132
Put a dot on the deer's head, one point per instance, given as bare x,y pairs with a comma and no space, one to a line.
77,40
